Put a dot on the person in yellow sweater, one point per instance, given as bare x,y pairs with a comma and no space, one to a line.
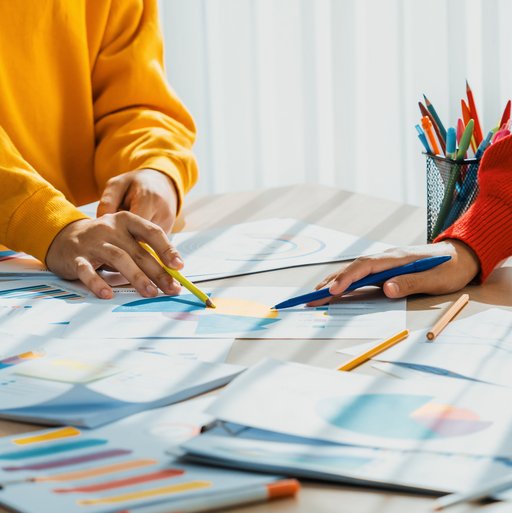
86,114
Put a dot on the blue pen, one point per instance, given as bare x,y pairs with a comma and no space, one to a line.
372,279
423,138
464,194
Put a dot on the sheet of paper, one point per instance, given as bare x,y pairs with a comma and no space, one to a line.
89,386
114,468
265,245
244,448
444,416
448,356
241,312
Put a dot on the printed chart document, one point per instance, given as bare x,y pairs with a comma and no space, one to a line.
246,448
266,245
241,312
441,416
90,387
117,467
460,351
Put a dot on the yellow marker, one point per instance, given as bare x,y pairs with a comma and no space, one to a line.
358,360
180,278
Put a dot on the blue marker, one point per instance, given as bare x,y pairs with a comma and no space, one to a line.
372,279
423,138
451,143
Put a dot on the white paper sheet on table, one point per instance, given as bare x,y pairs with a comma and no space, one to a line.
87,385
270,244
445,416
242,312
484,360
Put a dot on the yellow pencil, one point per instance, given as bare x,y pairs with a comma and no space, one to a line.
358,360
440,325
180,278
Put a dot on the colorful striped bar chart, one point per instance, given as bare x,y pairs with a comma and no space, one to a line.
41,291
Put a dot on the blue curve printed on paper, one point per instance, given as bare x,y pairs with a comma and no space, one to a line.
184,303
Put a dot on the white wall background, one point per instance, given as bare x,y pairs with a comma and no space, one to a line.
326,91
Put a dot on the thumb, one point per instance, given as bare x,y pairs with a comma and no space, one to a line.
113,196
407,284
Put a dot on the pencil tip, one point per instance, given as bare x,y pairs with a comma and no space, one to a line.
210,303
467,85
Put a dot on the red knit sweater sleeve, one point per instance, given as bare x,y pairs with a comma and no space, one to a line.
487,225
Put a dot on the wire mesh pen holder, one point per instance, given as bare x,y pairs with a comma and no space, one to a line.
451,189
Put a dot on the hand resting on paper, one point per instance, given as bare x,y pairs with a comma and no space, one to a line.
84,246
444,279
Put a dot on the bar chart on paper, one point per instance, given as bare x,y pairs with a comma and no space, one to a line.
38,291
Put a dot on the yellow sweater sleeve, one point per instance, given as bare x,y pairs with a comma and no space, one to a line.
139,120
32,212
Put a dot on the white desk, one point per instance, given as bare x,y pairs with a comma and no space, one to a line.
374,218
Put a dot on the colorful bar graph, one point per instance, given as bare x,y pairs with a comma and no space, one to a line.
19,358
39,292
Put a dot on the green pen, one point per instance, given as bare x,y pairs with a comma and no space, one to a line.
452,180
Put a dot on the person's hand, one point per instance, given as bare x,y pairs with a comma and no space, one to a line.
443,279
113,241
146,192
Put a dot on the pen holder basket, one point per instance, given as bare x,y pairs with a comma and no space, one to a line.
451,189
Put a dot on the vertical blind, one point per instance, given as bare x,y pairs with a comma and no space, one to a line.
326,91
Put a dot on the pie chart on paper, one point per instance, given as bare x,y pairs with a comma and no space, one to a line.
400,416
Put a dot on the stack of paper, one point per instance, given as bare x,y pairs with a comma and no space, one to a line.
442,435
119,467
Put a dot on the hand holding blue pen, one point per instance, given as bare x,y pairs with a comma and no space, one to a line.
372,279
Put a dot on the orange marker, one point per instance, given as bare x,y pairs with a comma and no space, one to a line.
429,131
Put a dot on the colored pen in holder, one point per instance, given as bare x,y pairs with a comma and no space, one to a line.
452,187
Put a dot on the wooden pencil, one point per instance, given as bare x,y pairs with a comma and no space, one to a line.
448,316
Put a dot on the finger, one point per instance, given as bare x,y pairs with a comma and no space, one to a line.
144,209
325,281
86,273
119,259
151,267
153,235
113,196
433,281
364,266
164,218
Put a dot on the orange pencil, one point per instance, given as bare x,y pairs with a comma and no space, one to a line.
466,116
424,111
477,133
506,115
429,132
